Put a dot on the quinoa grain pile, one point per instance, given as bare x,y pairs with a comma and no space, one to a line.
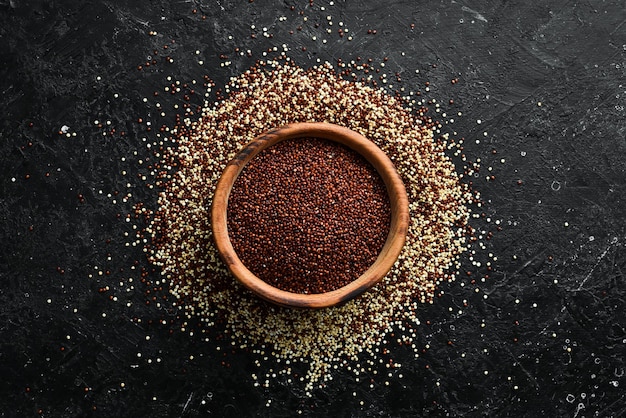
308,215
273,94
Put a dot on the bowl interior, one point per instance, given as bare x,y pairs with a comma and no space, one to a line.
391,249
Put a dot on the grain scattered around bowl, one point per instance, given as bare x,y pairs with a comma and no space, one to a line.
273,94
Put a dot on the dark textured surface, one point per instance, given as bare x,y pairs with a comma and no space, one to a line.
543,335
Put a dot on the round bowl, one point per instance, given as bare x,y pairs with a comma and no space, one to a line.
386,258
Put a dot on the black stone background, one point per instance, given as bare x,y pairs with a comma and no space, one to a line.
543,335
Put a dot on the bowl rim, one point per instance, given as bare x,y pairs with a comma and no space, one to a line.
386,258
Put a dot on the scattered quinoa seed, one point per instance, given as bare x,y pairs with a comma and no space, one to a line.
270,95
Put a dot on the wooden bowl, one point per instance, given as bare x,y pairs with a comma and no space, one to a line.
389,253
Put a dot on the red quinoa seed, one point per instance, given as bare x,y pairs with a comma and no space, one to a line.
308,215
